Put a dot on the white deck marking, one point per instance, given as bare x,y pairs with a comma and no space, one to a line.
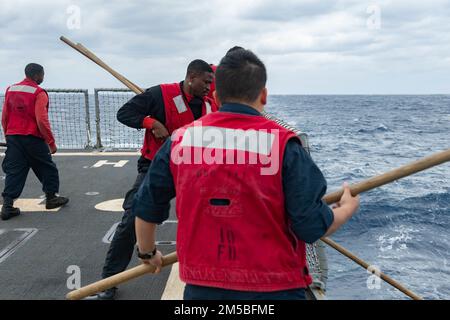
170,221
110,205
32,205
174,286
110,234
9,250
102,163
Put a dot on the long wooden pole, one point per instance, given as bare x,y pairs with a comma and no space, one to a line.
119,278
91,56
366,266
377,181
390,176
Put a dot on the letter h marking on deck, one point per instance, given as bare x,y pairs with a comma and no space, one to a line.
118,164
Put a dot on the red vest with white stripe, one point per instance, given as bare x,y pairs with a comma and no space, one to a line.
178,114
20,102
233,230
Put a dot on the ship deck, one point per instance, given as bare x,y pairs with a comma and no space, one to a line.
41,250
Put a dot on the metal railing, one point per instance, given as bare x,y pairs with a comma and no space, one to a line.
69,117
110,133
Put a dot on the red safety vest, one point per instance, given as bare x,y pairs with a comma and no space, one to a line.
178,114
233,230
213,84
20,106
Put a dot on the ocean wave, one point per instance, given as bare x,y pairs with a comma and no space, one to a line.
431,211
381,128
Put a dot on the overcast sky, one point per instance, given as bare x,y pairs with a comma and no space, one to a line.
309,47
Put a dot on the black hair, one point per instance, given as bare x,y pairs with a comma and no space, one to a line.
234,49
33,69
198,66
240,76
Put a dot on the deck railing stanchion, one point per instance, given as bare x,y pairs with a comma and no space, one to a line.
98,145
88,119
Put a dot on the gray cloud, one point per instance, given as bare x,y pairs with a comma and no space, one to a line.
308,46
288,10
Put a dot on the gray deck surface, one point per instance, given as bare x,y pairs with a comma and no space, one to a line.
37,268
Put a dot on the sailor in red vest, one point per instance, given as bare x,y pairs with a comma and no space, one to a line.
213,84
160,110
29,140
248,196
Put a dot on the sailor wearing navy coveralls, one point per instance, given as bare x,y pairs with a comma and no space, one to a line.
29,141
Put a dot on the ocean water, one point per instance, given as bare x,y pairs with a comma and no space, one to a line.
402,228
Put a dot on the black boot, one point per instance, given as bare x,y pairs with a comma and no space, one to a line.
53,201
8,211
108,294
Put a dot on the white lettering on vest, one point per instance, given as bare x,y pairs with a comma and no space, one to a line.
255,141
207,144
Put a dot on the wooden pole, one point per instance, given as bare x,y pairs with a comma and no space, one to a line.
390,176
91,56
119,278
366,266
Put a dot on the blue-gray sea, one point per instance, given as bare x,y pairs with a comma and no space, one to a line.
402,228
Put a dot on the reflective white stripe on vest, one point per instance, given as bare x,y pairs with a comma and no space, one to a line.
179,103
208,107
22,88
256,141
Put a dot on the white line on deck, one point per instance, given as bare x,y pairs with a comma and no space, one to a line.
33,205
174,286
170,221
110,234
16,244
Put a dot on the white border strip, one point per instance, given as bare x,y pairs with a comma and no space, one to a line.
16,244
174,286
110,234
